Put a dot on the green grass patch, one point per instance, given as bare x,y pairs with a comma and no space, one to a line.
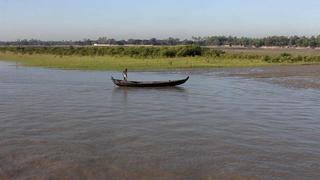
121,62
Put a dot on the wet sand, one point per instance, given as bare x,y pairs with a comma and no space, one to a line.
299,76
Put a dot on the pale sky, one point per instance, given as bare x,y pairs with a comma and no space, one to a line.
144,19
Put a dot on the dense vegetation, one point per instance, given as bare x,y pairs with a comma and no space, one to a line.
135,51
281,41
158,52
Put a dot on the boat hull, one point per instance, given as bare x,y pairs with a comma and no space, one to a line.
123,83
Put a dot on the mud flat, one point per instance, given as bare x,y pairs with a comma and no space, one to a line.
301,76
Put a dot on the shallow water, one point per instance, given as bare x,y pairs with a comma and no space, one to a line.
57,124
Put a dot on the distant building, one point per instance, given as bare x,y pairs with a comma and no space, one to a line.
95,44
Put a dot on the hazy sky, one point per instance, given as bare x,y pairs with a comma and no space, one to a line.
123,19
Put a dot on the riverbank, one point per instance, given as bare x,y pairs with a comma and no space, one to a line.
119,63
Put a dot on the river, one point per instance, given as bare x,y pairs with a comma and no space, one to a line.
70,124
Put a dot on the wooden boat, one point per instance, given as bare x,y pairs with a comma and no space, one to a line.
119,82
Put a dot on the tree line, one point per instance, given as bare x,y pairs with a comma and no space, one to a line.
279,41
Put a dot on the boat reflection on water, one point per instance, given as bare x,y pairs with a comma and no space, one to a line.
123,93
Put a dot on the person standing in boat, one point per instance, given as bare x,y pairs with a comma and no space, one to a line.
125,74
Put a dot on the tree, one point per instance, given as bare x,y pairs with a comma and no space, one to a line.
102,40
172,41
318,41
313,42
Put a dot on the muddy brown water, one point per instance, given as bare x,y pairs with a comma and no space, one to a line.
221,124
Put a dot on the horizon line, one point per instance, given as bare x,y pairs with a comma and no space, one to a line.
125,39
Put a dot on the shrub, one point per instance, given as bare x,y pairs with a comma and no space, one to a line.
168,52
192,50
212,52
267,58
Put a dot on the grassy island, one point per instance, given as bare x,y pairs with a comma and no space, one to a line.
147,58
